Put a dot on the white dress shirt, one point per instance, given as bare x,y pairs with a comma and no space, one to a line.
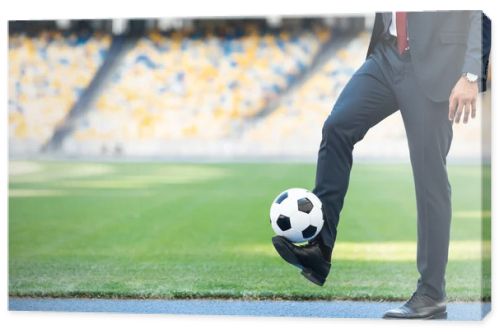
392,27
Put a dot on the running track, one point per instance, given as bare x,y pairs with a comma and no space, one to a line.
321,309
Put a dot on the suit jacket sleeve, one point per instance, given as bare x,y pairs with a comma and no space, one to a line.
478,46
486,42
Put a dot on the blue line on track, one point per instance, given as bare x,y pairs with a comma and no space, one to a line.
320,309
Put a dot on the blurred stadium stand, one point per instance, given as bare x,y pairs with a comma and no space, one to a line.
48,71
190,88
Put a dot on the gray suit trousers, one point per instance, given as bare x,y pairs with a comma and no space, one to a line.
385,83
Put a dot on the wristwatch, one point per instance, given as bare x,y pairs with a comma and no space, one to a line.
472,78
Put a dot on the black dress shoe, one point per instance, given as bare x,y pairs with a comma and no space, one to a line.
309,258
419,307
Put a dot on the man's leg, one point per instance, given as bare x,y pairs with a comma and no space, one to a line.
429,134
366,100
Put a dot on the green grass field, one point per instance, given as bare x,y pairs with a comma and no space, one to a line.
160,230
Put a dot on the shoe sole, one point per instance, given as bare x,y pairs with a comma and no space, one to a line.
437,316
311,276
290,257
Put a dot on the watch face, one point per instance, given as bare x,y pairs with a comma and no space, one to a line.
471,77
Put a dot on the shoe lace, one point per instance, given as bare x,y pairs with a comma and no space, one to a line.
325,253
415,298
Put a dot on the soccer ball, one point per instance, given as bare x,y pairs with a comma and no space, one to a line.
296,215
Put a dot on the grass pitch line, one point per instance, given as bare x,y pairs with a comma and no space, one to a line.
385,251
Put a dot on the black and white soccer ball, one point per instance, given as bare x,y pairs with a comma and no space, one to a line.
296,215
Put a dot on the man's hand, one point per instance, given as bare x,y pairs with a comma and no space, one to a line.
463,100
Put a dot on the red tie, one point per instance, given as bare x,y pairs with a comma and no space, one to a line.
402,35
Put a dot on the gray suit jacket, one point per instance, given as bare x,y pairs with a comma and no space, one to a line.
443,46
